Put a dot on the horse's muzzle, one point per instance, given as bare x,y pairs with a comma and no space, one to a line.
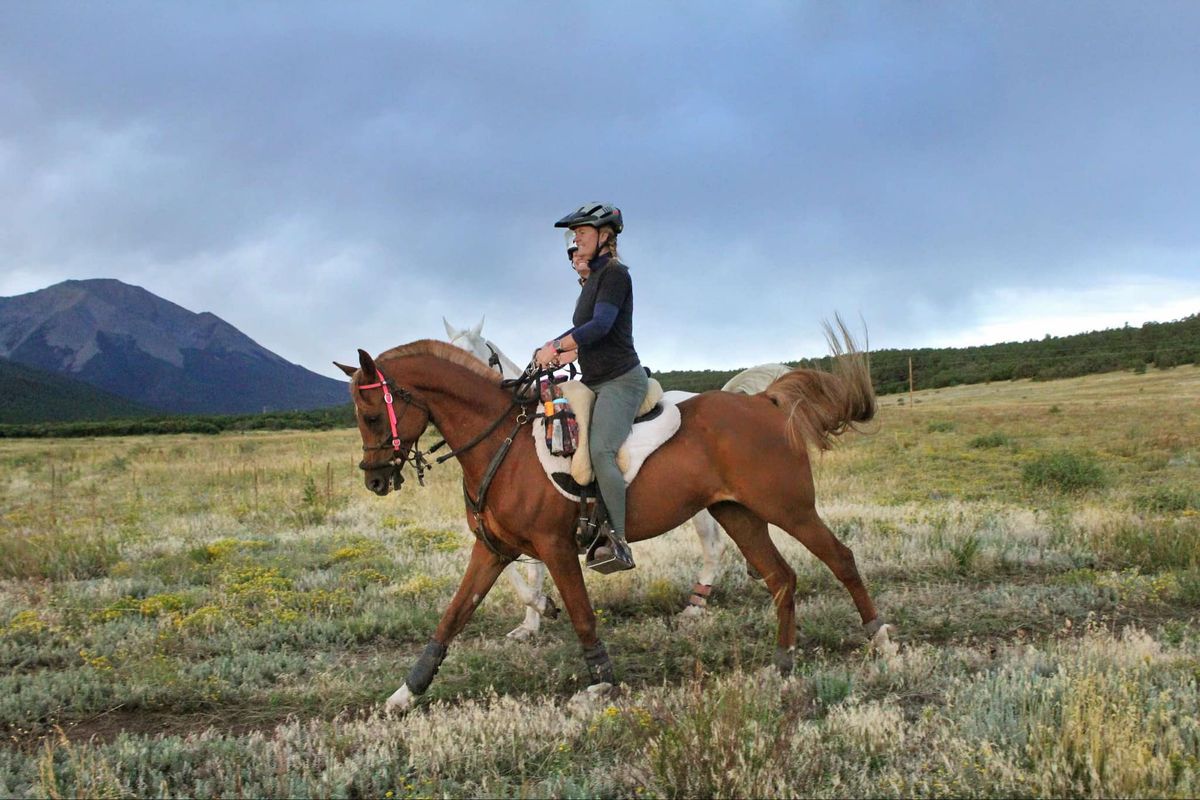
380,479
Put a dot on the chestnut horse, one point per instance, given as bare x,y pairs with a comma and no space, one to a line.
743,457
712,541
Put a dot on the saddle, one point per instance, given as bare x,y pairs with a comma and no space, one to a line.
657,422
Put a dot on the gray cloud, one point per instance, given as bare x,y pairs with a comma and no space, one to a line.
330,176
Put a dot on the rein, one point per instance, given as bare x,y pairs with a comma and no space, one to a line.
401,452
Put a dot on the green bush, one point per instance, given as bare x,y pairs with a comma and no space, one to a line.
990,440
1165,499
940,426
1164,544
1064,471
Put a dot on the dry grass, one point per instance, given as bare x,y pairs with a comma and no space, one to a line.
224,613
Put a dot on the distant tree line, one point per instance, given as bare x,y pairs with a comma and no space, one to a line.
1153,345
318,419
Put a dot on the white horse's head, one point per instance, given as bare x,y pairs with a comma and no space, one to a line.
469,339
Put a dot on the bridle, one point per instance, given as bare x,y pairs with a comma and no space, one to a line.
400,451
410,452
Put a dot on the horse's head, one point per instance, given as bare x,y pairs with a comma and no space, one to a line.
391,420
469,339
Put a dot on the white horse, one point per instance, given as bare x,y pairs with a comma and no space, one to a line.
712,543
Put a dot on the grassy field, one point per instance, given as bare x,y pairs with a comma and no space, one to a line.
222,615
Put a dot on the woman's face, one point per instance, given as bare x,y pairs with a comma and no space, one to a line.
587,238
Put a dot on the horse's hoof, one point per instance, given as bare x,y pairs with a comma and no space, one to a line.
521,633
401,700
549,609
592,696
693,612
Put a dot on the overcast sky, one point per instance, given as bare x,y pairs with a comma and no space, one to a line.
330,176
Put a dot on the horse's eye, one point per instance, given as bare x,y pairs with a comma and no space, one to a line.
372,420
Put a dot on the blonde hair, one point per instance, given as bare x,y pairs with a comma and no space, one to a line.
610,246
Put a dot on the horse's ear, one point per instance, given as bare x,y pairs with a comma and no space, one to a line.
478,329
453,334
367,363
348,370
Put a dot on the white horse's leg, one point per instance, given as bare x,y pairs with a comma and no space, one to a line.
529,590
712,544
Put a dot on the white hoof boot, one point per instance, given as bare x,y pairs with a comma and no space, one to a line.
881,641
592,696
401,700
693,612
522,633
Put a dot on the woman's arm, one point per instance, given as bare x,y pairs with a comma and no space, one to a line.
589,332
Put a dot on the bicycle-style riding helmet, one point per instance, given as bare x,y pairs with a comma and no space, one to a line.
594,215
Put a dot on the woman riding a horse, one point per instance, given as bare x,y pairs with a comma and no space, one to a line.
602,341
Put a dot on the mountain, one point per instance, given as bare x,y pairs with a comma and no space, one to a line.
134,344
34,395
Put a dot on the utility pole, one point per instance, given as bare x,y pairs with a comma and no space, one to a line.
910,383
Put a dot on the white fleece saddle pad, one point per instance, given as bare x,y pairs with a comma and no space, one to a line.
644,439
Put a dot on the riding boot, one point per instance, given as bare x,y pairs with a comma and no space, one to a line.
609,552
612,554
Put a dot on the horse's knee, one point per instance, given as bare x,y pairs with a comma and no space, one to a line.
783,587
846,566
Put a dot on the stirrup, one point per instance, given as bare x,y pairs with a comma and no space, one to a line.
609,554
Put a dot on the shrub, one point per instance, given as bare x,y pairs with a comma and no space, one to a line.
57,555
965,552
1064,471
990,440
940,426
1149,546
1168,498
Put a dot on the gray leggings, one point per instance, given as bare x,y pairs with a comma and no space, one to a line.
617,403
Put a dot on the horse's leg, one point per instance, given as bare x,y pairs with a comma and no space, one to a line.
482,571
712,545
562,559
749,533
810,530
529,590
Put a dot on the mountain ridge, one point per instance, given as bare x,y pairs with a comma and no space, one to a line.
132,343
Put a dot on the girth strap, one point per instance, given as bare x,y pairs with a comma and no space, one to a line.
476,506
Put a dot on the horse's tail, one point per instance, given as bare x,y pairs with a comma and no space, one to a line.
821,405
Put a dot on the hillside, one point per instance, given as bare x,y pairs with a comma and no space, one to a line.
1155,344
29,395
134,344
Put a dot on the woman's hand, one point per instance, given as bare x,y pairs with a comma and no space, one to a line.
567,356
547,356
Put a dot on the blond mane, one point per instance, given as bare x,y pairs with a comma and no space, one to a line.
444,351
